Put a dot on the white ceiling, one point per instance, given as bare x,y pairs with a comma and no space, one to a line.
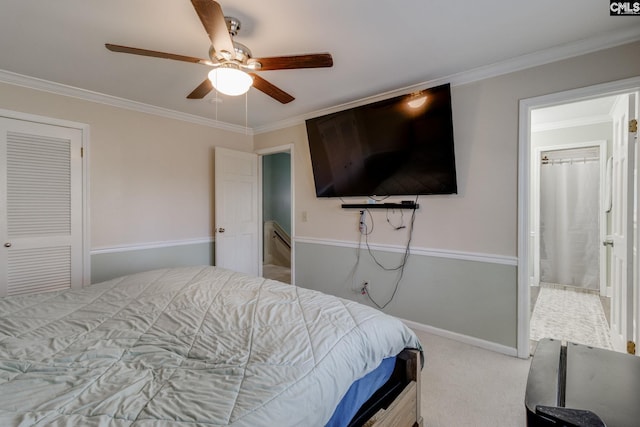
595,110
378,46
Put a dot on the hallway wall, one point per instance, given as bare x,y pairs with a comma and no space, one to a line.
276,178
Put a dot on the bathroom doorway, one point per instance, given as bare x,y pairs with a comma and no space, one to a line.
562,113
570,206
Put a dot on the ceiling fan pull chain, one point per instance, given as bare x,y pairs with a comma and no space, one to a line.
246,113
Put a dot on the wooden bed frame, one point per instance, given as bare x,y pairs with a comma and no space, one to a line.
404,410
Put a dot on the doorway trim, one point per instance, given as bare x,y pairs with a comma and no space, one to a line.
286,148
524,162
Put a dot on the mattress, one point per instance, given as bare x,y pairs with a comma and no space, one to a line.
189,346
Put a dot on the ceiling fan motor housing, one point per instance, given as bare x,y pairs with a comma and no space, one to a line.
233,25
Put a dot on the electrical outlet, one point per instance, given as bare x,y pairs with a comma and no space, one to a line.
361,224
365,288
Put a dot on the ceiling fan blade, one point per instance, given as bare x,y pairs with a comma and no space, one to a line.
316,60
156,54
212,18
273,91
202,90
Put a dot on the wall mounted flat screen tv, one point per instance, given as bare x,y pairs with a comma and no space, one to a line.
399,146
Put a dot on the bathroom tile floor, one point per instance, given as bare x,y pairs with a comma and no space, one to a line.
570,314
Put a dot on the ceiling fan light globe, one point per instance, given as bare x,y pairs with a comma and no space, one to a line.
230,81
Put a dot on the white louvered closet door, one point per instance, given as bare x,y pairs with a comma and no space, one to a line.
40,207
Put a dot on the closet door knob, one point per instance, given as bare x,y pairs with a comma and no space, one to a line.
7,245
220,230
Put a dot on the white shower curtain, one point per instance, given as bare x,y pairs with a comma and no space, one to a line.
569,223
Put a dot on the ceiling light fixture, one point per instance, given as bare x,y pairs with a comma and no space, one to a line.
417,102
230,80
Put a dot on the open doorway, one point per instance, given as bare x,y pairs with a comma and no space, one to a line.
569,221
559,131
277,227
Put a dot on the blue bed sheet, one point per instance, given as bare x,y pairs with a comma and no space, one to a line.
360,391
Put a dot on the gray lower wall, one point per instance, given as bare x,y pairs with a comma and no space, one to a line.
106,266
472,298
477,299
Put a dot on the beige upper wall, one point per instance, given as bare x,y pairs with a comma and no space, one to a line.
483,217
151,178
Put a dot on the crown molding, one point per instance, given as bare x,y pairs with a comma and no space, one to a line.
113,101
557,53
554,54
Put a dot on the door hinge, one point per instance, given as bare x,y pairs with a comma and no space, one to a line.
631,347
81,151
633,126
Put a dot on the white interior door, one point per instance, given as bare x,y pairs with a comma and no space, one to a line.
40,207
237,220
622,225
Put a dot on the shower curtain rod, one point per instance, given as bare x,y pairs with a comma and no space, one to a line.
546,161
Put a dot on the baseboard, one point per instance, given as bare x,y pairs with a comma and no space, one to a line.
477,342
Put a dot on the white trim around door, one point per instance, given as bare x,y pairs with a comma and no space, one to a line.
524,166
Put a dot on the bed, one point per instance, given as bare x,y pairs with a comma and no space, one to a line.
202,346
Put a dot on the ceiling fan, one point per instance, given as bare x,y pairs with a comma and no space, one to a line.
232,62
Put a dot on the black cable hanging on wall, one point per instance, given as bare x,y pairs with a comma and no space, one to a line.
400,267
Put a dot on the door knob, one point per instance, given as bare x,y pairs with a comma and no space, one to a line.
220,230
608,243
7,245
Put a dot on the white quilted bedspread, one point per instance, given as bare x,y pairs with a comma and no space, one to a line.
195,346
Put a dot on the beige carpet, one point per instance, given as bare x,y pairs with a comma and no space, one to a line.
276,272
570,316
467,386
